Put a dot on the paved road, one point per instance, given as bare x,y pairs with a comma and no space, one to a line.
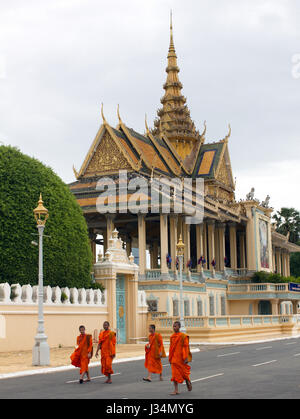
261,370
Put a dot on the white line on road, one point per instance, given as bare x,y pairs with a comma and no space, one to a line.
264,347
264,363
231,353
291,343
297,355
206,378
92,378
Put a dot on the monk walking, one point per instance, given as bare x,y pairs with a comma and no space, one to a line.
80,358
154,352
107,345
179,356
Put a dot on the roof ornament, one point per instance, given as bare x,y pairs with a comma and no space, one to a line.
204,131
250,195
265,203
75,172
228,135
118,113
102,114
146,125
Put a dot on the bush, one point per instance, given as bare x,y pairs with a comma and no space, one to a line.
67,253
273,278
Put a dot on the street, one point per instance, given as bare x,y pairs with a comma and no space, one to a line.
258,370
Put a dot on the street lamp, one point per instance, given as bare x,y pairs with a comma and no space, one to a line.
180,252
40,351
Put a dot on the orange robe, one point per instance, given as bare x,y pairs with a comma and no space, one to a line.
152,357
79,357
107,338
178,352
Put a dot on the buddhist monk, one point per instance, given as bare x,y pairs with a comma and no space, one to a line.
107,344
179,356
154,352
83,353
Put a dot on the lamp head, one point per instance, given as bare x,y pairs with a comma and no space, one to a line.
40,213
180,246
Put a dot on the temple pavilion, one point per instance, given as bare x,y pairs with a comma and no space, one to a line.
234,239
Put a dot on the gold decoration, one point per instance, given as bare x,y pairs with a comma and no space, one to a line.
121,312
107,157
40,213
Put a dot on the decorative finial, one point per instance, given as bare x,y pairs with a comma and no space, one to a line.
102,114
146,125
75,172
118,112
172,47
204,131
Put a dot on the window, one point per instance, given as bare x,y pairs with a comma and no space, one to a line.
175,308
223,306
199,308
186,308
211,306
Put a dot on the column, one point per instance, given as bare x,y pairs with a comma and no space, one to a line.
187,248
242,250
173,240
142,243
284,270
221,237
278,260
164,249
273,259
233,246
288,264
199,241
205,244
217,250
275,307
211,242
109,229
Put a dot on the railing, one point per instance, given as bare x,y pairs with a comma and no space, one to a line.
27,294
227,321
258,288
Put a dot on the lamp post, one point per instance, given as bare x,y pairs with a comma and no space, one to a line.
180,252
40,351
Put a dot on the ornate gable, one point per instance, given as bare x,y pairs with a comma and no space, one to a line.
224,173
107,158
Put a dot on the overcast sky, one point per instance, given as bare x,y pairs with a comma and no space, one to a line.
239,62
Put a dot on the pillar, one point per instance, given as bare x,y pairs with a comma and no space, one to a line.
233,246
242,250
199,242
221,238
164,248
278,260
275,307
211,242
187,242
205,244
173,240
109,229
142,243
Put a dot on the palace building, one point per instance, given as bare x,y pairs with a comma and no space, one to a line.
233,240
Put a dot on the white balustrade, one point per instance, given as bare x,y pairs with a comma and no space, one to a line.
66,294
5,293
27,294
16,291
56,295
74,295
82,296
47,295
90,296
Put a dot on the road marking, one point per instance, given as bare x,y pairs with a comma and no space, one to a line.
166,365
291,343
205,378
92,378
264,363
264,347
231,353
297,355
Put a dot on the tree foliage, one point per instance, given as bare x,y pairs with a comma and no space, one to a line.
288,221
67,252
263,277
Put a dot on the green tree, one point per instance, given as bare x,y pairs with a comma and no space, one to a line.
288,221
67,252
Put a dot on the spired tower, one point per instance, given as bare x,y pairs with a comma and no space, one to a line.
174,119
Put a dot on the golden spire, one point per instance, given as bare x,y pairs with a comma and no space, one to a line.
174,117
